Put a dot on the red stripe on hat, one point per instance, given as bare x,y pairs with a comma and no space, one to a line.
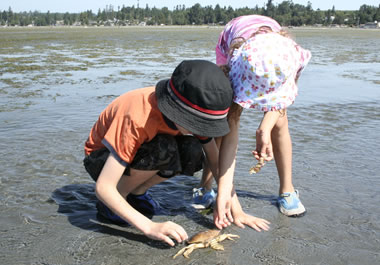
194,106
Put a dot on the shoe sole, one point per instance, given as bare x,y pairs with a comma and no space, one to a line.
298,215
198,206
299,212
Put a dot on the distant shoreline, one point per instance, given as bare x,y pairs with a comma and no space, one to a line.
176,26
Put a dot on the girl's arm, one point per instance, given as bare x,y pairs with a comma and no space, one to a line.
263,135
227,156
227,161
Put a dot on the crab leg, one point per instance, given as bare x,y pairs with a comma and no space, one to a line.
215,245
227,236
205,239
181,251
187,250
194,246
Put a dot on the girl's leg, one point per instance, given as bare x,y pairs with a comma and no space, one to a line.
288,201
282,149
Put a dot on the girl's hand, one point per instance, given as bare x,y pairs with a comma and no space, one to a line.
241,219
264,146
222,211
166,232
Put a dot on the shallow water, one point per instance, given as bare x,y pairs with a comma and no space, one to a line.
55,81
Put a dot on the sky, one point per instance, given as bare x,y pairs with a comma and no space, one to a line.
76,6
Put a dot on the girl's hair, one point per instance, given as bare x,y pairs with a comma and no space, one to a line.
237,42
235,109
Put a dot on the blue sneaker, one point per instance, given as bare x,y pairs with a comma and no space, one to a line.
144,203
203,199
290,204
106,213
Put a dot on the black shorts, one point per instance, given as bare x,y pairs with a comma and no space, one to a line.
168,154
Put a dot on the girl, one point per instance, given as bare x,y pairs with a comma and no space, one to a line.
263,64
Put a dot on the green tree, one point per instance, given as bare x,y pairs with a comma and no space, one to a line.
285,12
83,18
270,9
328,17
230,13
339,18
48,18
318,17
10,17
179,17
196,14
220,15
365,14
377,15
67,19
209,15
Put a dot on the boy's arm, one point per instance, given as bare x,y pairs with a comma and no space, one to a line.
212,155
106,191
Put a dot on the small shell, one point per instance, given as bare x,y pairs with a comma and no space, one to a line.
255,169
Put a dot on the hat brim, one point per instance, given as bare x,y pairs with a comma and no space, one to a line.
197,125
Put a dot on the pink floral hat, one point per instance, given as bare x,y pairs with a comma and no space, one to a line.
264,71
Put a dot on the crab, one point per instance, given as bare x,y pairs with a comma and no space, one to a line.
205,239
255,169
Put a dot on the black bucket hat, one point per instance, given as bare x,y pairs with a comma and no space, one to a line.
197,97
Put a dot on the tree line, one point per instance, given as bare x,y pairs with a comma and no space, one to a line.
286,13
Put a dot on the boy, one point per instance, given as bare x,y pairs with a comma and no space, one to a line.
142,138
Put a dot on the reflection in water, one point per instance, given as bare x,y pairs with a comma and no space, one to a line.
55,82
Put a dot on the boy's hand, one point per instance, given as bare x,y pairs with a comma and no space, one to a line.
222,211
166,232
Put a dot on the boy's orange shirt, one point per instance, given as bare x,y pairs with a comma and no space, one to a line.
130,120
